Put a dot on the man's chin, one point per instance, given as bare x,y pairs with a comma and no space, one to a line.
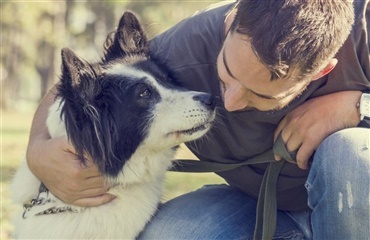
247,109
253,109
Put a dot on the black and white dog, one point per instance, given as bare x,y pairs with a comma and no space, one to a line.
122,113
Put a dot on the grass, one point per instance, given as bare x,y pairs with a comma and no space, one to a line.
15,127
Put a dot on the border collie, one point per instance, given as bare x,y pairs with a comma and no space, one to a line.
123,113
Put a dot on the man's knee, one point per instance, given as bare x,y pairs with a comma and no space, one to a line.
342,158
345,148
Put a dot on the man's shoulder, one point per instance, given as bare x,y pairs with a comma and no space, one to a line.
192,38
362,10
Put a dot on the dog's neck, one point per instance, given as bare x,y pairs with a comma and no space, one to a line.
142,168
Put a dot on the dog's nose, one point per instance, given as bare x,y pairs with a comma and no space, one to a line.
207,99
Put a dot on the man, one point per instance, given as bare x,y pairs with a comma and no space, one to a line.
277,69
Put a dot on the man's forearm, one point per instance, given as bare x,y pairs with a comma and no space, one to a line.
39,129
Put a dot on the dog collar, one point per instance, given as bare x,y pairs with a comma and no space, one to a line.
41,200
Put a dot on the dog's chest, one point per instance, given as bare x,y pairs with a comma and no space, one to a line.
123,218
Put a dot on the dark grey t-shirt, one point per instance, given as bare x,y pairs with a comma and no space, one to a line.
190,51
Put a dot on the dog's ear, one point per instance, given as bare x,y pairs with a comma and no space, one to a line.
74,68
79,84
78,88
78,76
128,39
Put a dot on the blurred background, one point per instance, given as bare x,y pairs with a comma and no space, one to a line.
32,36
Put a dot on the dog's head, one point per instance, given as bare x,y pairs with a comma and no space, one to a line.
125,102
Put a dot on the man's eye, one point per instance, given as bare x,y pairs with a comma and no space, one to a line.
145,94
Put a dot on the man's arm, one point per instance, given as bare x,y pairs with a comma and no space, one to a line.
53,161
309,124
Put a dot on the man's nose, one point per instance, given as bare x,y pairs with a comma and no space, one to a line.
234,102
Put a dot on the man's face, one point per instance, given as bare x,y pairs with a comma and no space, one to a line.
245,81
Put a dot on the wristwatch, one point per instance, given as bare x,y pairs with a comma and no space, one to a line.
364,106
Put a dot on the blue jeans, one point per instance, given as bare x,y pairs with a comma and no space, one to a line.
338,194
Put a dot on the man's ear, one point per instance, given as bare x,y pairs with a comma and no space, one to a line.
327,69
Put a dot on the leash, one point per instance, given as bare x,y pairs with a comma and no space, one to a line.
266,205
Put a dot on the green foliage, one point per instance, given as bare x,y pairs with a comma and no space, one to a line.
34,32
15,128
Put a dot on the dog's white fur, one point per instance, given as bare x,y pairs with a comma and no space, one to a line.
137,187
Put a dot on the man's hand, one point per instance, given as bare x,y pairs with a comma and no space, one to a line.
305,127
53,161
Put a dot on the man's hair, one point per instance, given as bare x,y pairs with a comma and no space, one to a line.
291,35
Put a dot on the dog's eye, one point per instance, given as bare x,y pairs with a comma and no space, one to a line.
145,94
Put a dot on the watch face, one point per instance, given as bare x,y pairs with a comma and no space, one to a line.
365,105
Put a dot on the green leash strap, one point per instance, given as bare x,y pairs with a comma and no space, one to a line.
194,166
266,206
